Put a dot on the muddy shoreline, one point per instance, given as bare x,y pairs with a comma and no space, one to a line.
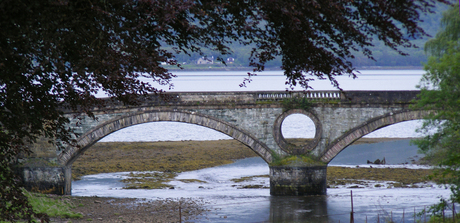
166,156
119,210
167,159
179,156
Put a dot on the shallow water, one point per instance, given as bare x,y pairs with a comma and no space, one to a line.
228,203
394,152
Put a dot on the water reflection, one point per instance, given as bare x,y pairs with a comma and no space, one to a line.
298,209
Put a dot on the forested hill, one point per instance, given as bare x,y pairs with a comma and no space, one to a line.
383,55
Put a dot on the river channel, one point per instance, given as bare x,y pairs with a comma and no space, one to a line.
230,203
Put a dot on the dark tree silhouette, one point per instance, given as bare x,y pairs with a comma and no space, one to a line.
57,54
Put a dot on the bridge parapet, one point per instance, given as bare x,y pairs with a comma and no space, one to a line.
301,94
380,97
187,99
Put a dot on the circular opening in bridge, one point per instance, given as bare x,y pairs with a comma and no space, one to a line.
298,129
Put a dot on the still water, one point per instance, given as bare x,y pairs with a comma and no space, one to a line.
230,203
274,80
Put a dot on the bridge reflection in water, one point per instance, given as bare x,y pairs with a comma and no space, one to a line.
298,209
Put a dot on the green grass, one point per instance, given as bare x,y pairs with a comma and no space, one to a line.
54,207
296,160
436,219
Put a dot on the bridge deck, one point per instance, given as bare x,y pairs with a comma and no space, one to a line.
188,99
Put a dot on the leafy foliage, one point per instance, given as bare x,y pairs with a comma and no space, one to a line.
55,55
437,211
440,91
383,55
450,32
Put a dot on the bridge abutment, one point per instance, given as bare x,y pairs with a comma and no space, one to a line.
46,180
41,171
298,181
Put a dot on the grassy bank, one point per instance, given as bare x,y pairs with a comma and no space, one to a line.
56,207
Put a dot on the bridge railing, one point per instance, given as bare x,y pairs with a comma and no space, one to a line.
251,97
308,94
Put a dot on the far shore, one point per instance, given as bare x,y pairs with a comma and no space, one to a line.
214,67
376,140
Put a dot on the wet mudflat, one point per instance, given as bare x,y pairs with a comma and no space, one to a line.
177,157
165,160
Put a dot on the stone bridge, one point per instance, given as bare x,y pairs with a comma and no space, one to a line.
253,118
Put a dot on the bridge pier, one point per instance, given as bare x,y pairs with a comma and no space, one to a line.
298,181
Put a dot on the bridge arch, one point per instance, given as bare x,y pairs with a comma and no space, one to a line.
371,125
69,155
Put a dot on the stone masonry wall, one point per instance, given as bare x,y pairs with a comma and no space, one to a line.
336,121
257,121
251,126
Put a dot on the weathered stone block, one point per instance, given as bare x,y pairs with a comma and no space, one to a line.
298,181
46,180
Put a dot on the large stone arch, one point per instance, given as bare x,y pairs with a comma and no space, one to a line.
371,125
69,155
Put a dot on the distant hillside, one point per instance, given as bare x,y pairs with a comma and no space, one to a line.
383,55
